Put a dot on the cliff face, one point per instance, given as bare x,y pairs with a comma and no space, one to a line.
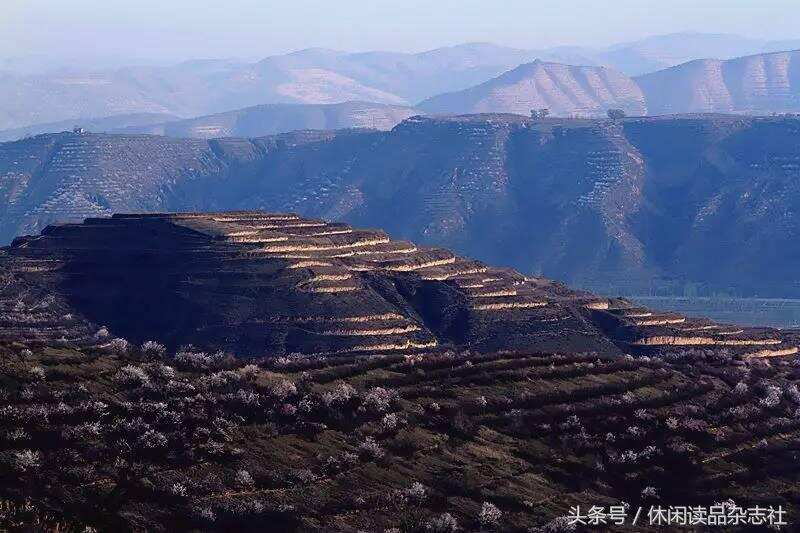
759,84
614,206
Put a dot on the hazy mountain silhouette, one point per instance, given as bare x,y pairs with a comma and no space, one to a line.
32,94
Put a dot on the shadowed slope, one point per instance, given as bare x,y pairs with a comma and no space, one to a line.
268,284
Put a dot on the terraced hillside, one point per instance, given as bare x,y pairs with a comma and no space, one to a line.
565,90
425,390
633,206
758,84
259,283
256,283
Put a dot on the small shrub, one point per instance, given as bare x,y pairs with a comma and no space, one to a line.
489,515
37,373
389,423
339,395
244,478
443,523
772,397
417,492
119,346
249,372
370,450
153,350
189,359
650,492
562,524
378,399
179,489
287,410
153,440
27,460
131,376
161,372
282,389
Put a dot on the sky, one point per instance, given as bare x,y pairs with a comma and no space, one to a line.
174,30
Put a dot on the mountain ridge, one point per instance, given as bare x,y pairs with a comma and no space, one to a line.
631,206
197,88
270,119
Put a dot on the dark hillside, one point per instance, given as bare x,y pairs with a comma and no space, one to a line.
636,206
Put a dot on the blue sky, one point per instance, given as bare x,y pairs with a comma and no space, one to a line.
180,29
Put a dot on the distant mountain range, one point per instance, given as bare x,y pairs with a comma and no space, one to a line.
32,94
207,87
759,84
101,125
270,119
256,121
706,204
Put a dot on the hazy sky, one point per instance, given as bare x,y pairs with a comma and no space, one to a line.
180,29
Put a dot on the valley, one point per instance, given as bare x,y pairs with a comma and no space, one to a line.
773,312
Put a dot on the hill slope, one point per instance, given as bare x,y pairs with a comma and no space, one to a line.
102,125
197,88
629,206
760,84
563,89
270,119
97,432
664,51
